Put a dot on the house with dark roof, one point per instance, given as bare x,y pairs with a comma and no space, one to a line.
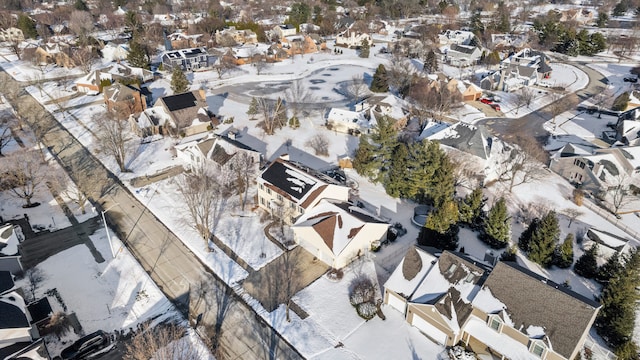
467,138
462,55
124,100
95,80
608,243
188,112
221,153
524,68
506,311
598,170
338,232
192,59
287,190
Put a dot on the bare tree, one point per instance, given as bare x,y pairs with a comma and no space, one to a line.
209,297
162,342
15,46
35,277
400,74
84,57
524,97
571,214
320,144
81,24
356,88
24,172
224,64
59,324
114,138
619,191
522,163
466,171
86,182
285,281
7,121
560,102
203,193
274,114
297,96
245,169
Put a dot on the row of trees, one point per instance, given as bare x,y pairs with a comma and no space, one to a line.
556,36
540,242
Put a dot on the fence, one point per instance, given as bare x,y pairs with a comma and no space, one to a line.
611,218
597,350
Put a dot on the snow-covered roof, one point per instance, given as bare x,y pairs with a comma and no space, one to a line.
8,240
154,116
347,116
338,224
607,239
465,137
571,150
399,283
14,323
504,344
431,128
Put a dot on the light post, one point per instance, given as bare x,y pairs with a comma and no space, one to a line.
104,220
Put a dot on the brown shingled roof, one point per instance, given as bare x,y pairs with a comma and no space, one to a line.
412,264
532,300
314,195
325,229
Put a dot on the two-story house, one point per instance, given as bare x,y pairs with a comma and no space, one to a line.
462,55
506,310
352,39
287,190
186,59
188,112
124,100
221,153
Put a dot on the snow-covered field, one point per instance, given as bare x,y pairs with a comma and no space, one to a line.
332,330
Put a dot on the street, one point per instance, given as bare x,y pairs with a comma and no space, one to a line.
175,269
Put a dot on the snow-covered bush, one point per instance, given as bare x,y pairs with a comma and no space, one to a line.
363,297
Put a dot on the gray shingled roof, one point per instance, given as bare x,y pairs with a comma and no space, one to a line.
531,299
469,139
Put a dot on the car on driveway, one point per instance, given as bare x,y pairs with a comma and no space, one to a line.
485,101
495,107
631,79
89,346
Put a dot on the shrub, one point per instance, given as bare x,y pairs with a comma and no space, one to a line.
362,296
578,196
621,102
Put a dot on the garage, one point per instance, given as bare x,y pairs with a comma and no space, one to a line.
431,331
396,302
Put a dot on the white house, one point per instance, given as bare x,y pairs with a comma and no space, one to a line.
287,190
217,152
115,52
348,122
462,55
283,31
352,39
338,232
459,37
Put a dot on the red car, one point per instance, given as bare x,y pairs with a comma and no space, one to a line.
495,107
485,101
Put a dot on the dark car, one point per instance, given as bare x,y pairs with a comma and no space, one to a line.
631,79
87,346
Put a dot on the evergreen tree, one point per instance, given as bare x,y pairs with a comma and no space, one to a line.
364,48
564,252
80,5
179,82
496,226
525,238
509,254
27,26
603,17
544,239
380,81
363,159
374,160
615,321
502,23
396,184
440,229
475,23
470,207
253,108
430,62
587,264
137,56
610,269
294,123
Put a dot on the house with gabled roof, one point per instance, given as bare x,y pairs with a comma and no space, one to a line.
188,111
470,139
352,39
462,55
506,311
191,59
598,170
93,82
287,190
218,152
338,232
608,243
124,100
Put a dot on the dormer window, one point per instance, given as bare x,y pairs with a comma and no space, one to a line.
451,269
537,348
469,278
495,323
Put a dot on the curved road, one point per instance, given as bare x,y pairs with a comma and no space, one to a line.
172,266
531,124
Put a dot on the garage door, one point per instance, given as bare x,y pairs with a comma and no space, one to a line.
430,330
396,303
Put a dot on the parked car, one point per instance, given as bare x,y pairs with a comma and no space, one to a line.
495,107
88,345
485,101
631,79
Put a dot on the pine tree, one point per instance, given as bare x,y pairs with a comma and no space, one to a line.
470,207
610,269
475,23
430,65
137,56
497,226
80,5
440,229
380,82
364,48
253,109
544,239
525,237
374,159
294,123
564,252
27,26
179,82
397,182
587,264
615,321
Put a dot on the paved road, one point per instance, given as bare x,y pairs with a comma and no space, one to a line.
174,268
531,124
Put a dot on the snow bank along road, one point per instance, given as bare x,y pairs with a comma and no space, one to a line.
170,264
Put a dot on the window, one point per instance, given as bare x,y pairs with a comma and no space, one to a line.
537,348
279,197
469,278
451,269
579,163
269,191
293,206
261,187
495,323
262,201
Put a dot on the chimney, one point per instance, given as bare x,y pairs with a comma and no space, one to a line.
284,157
231,135
203,94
